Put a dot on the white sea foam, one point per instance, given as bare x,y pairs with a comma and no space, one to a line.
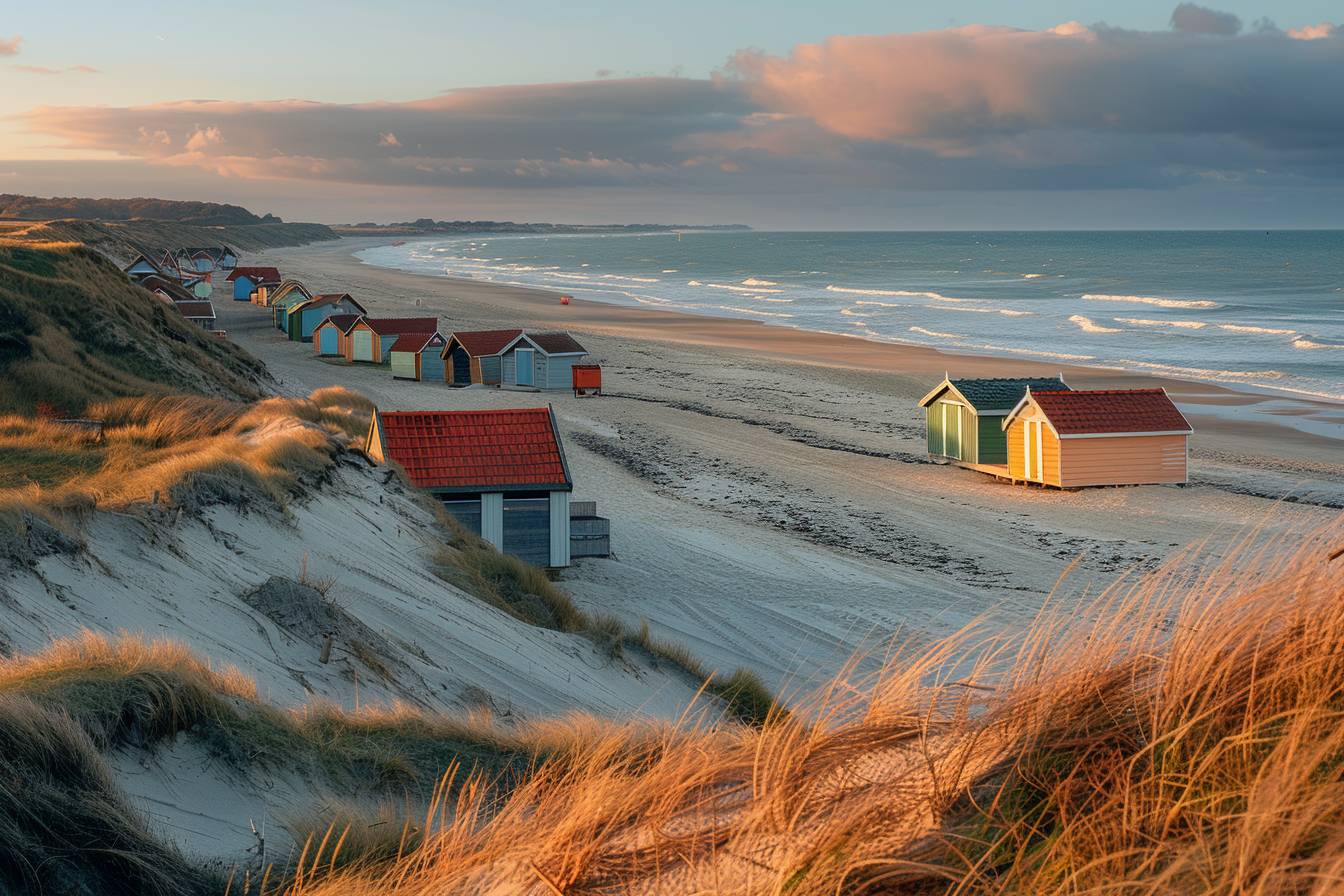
1316,342
1149,322
894,293
733,287
753,281
624,279
1012,312
1246,328
669,270
935,333
850,312
1031,276
756,311
1159,301
1087,325
1058,356
1205,372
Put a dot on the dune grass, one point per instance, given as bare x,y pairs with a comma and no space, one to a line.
177,450
1183,733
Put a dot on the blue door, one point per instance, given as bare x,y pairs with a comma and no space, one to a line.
328,344
522,364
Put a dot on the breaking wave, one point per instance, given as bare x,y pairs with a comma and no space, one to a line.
1159,301
1149,322
935,333
1087,325
894,293
1245,328
753,281
1316,342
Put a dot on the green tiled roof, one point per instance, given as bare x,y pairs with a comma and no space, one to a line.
1003,393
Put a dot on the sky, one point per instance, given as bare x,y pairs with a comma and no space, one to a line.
837,115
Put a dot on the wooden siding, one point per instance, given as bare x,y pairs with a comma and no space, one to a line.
431,364
362,340
958,443
559,529
403,365
1124,460
527,529
991,441
491,370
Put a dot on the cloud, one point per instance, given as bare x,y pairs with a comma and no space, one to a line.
44,70
1071,107
1314,32
1191,18
10,46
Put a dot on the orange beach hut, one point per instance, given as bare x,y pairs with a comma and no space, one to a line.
1073,439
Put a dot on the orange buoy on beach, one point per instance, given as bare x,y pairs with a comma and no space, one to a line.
564,300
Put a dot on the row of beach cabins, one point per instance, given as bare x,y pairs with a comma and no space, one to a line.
415,348
501,473
183,279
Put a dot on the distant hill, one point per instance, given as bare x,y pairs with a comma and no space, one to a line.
123,240
428,225
34,208
74,330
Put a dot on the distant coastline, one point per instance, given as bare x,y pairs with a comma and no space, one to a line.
430,227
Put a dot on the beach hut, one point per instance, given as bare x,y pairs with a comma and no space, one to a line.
540,361
964,417
418,356
472,356
201,313
501,473
330,336
285,298
246,280
165,288
304,317
1072,439
372,337
285,289
141,266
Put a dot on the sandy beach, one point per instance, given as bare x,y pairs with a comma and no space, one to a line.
770,496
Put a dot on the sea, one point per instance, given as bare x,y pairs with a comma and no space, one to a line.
1258,309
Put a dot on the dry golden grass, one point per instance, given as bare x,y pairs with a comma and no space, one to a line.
1184,734
186,450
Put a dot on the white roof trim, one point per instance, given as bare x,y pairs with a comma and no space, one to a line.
1110,435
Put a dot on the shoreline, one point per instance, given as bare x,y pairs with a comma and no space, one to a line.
1214,407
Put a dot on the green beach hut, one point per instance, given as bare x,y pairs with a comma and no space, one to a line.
964,417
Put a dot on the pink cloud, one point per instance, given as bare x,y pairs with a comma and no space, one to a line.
1313,32
10,46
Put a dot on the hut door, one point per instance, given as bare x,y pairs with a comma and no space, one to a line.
951,430
1033,462
522,365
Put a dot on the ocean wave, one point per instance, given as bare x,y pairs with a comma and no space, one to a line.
1317,342
754,311
1033,276
1036,353
1205,372
1247,328
1159,301
1012,312
753,281
669,270
894,293
1087,325
625,279
1149,322
732,287
935,333
850,312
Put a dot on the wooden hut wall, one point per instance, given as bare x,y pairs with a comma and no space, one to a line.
1048,446
1122,460
431,364
404,366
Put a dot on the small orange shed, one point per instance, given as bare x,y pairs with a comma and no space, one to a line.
1072,439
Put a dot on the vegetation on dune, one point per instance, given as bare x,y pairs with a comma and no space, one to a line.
36,208
182,451
75,331
125,239
1182,735
524,592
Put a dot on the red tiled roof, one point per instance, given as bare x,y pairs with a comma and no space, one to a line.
414,342
199,310
486,342
342,322
1097,411
263,275
471,449
395,326
556,343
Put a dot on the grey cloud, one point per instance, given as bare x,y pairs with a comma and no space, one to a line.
1192,18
